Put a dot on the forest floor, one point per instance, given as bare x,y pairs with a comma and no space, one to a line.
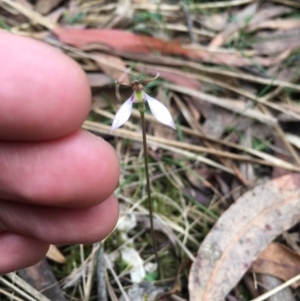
229,72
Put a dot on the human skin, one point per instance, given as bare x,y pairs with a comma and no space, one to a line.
56,180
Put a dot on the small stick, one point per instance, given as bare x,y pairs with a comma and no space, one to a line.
101,285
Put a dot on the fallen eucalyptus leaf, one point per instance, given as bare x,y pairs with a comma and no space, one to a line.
240,234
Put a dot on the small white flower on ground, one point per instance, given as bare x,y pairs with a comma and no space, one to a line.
160,112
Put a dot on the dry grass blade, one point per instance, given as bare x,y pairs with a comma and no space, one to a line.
166,7
293,139
184,63
89,278
229,104
288,2
240,75
267,159
22,288
30,14
277,289
110,268
97,127
223,84
11,296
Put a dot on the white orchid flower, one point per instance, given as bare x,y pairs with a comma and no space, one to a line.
160,112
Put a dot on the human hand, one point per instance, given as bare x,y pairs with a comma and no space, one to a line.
56,181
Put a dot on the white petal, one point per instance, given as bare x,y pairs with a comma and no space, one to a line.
122,114
160,112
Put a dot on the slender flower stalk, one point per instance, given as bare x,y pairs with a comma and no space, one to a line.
162,114
142,113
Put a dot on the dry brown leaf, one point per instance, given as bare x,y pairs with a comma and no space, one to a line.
279,261
141,47
240,234
106,63
55,255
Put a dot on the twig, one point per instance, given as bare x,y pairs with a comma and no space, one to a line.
101,287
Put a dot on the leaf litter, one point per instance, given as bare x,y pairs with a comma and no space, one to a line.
240,234
279,261
230,76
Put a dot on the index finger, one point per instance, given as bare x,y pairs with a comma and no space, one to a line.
43,93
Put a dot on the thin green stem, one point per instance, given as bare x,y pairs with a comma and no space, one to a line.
142,113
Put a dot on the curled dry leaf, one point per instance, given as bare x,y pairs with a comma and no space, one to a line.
240,234
279,261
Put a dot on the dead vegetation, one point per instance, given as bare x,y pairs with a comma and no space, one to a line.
229,72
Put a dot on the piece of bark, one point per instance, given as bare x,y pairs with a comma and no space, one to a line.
41,277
